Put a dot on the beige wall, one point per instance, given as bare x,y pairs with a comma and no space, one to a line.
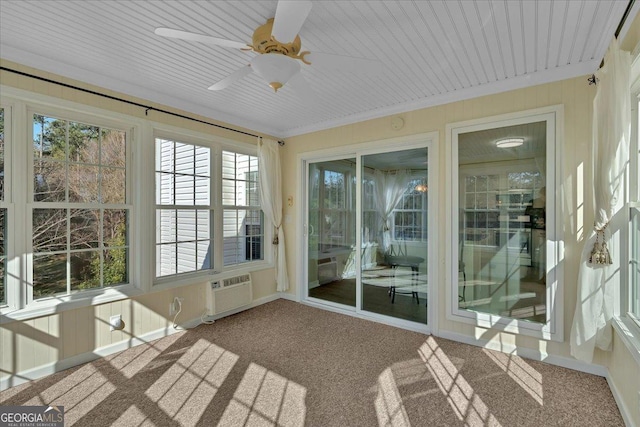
34,343
624,375
575,95
73,95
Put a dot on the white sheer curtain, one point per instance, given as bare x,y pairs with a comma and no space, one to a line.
597,283
271,200
389,188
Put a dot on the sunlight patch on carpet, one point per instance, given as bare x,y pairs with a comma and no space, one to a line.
131,362
520,371
266,398
131,417
78,403
73,391
389,407
185,390
466,403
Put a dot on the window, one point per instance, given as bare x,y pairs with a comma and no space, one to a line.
3,215
410,215
243,220
634,216
186,209
503,230
332,206
183,208
498,206
370,220
503,262
634,258
80,211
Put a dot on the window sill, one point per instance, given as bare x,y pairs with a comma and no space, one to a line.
59,304
629,333
205,276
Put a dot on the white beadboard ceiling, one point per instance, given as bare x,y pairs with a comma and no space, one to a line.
431,52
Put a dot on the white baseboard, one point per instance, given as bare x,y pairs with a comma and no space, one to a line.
51,368
289,297
564,362
624,410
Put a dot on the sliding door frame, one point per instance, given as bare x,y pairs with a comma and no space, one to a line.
304,252
423,140
553,328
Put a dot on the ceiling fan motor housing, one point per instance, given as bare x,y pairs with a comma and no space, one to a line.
263,42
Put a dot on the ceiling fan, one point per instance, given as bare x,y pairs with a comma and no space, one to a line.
279,48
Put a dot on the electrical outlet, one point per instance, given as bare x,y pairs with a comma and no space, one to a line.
175,305
116,323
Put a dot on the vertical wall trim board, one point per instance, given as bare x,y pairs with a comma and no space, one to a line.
78,359
624,410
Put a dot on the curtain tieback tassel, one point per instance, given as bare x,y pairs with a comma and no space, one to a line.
275,240
600,253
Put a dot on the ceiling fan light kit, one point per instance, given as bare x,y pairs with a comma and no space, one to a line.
276,69
510,142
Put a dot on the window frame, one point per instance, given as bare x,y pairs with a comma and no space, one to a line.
217,145
553,328
369,210
69,205
20,304
625,322
140,176
502,170
344,211
247,208
632,203
423,212
31,204
10,302
176,206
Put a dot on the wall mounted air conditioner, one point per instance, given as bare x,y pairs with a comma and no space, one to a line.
230,293
327,271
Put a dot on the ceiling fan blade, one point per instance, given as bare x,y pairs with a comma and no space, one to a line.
290,15
232,78
301,88
185,35
347,63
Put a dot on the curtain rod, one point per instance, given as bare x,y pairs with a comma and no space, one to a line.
147,108
592,79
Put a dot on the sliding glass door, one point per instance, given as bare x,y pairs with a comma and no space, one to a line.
394,234
331,231
367,233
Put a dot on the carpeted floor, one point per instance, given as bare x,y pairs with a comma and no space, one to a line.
288,364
